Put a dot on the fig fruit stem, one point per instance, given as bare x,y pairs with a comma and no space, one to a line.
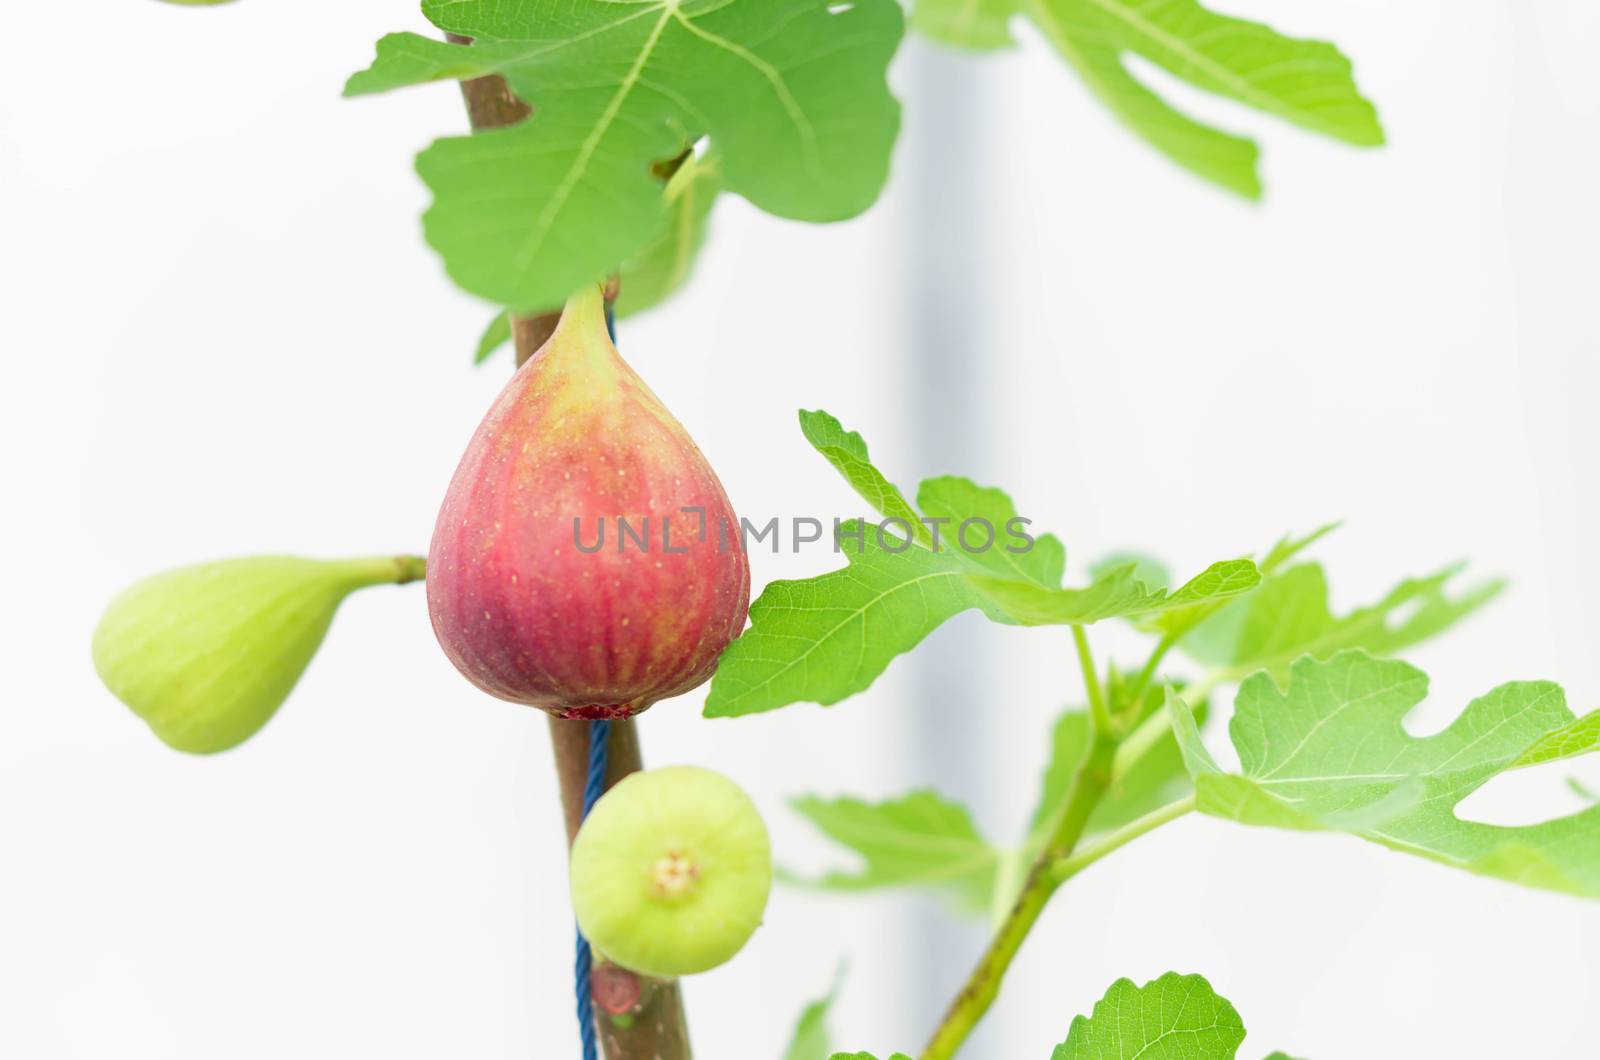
1056,863
656,1028
388,570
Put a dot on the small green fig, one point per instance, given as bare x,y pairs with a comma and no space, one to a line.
671,871
206,654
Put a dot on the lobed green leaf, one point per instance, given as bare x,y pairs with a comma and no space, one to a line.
1289,616
1330,753
826,638
1175,1017
496,335
1305,82
847,452
791,94
811,1039
925,840
1176,622
1117,593
918,840
952,505
1569,741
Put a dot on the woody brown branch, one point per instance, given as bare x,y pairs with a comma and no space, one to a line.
655,1029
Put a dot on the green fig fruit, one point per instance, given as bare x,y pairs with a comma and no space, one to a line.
671,871
206,654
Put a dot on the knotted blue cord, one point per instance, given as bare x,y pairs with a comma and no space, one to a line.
594,786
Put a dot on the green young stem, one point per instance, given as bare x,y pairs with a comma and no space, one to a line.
1140,683
1108,758
1099,713
1069,866
983,985
1088,787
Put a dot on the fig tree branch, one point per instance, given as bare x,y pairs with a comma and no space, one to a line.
983,985
1088,787
654,1027
1060,859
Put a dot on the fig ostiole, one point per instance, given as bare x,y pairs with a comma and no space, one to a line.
586,559
671,871
206,654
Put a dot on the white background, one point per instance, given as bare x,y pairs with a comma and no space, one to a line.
223,334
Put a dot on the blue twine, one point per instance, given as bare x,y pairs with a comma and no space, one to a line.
593,788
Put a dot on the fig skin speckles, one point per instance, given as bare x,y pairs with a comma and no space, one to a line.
575,443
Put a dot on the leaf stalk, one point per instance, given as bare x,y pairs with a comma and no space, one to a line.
1099,712
1066,868
1140,683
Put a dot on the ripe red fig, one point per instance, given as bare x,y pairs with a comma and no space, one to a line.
586,559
